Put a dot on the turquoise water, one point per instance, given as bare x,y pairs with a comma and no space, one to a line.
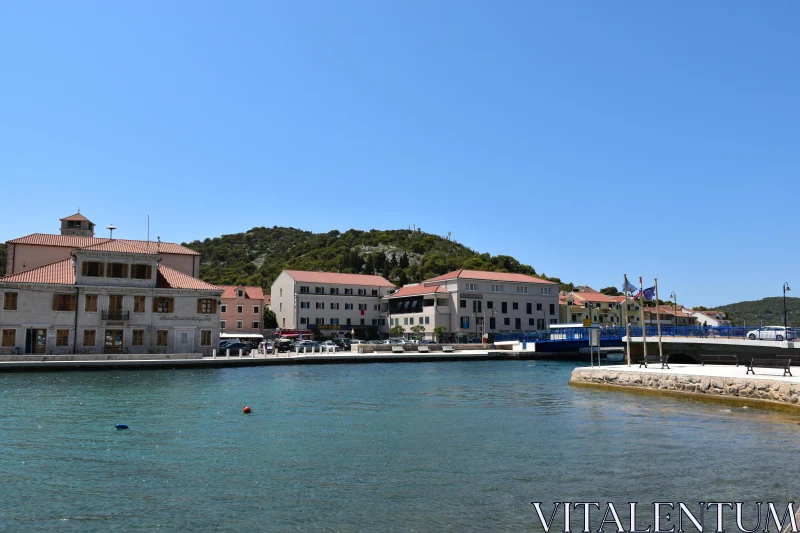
381,447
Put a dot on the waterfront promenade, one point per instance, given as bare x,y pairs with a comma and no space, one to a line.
727,382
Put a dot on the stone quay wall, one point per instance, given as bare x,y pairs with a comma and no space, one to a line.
735,388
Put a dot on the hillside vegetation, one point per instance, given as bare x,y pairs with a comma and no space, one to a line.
767,311
257,257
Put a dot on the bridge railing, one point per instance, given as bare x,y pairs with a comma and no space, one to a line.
618,333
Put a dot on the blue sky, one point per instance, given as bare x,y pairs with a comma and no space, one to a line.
586,139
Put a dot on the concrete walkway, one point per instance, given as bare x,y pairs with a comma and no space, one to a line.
718,371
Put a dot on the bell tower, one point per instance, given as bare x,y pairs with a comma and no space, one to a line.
78,225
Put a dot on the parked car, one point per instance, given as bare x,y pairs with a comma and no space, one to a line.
284,345
771,333
236,346
308,345
330,346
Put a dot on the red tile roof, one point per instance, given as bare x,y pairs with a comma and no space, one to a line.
334,278
415,290
593,297
74,241
76,216
169,278
256,293
118,246
60,273
267,299
490,276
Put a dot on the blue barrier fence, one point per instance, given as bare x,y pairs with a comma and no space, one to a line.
618,333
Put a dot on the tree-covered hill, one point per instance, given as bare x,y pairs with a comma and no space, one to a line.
767,311
257,257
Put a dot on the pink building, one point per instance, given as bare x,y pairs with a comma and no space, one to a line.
242,310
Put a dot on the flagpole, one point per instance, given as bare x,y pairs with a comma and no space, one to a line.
644,324
658,322
627,320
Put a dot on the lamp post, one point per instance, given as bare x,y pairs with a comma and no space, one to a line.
785,288
674,309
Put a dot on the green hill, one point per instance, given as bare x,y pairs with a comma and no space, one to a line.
257,257
768,311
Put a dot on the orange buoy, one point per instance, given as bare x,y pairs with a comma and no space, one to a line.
246,410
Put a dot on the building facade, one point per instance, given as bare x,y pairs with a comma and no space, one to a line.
469,304
242,310
111,296
330,304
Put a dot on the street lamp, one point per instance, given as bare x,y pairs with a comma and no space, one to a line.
674,309
785,288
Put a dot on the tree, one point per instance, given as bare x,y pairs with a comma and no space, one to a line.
404,261
438,332
270,320
419,332
610,291
397,331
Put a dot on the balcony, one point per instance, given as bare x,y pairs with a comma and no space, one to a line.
115,316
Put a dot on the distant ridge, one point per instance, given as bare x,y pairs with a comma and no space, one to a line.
767,311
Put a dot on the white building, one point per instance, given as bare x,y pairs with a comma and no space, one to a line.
110,297
711,318
330,303
471,303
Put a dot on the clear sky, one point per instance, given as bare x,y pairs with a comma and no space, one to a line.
588,139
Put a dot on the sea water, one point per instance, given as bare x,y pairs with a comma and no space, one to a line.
373,447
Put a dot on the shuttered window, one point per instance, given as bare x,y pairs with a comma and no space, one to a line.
141,272
10,301
206,306
62,337
205,338
92,269
117,270
162,337
138,337
64,302
163,305
9,337
91,304
139,304
89,336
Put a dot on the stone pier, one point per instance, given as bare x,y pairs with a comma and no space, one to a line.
718,382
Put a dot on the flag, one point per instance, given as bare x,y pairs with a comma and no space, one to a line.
649,294
637,295
630,288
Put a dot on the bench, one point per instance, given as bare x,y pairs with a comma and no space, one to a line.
396,348
448,349
785,364
423,348
654,358
719,358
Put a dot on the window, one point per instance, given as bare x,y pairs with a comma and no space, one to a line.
320,321
374,321
302,320
319,290
206,306
405,321
362,307
334,305
462,304
362,292
472,286
476,306
139,303
334,321
465,322
574,318
305,305
205,337
547,290
427,320
374,292
334,290
304,289
376,307
348,292
411,321
522,289
222,324
490,305
552,309
539,323
163,305
256,309
504,307
348,307
240,293
531,321
162,337
90,305
515,305
529,308
239,324
492,324
141,271
9,337
348,321
280,292
62,337
10,301
256,324
497,288
117,270
506,321
92,269
64,302
89,337
539,307
362,322
320,305
239,309
517,323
